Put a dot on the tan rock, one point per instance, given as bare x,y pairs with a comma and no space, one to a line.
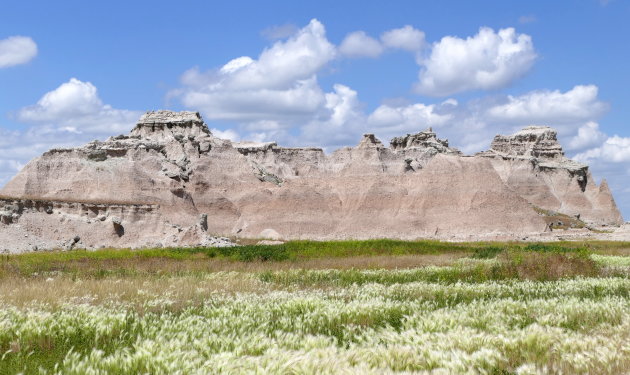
161,179
532,163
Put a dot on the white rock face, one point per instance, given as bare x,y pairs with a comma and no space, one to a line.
161,126
531,142
170,171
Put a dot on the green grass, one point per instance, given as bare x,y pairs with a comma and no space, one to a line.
105,261
499,307
101,263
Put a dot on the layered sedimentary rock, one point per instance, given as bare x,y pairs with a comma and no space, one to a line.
532,163
32,224
193,185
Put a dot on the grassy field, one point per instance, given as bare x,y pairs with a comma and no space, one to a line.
319,308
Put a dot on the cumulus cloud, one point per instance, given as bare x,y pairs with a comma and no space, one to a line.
281,84
16,50
588,135
471,125
276,96
71,99
614,149
359,44
486,61
268,103
339,123
611,159
406,38
278,67
299,100
542,106
394,121
75,106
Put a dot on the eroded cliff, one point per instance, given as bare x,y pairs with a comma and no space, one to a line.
417,187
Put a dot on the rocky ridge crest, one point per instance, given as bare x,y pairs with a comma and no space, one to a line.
538,144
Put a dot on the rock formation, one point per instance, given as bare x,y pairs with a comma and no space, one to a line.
171,182
532,163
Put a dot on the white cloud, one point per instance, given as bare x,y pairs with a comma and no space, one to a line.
588,135
70,99
289,106
236,64
343,105
359,44
226,134
576,105
76,107
472,125
614,149
406,38
340,123
281,84
291,103
277,96
485,61
263,125
278,67
16,50
394,121
611,159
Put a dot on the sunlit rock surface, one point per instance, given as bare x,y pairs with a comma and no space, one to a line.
170,170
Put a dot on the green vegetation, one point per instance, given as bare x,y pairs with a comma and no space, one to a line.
307,307
558,221
124,261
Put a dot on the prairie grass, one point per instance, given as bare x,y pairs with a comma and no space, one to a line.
375,307
576,326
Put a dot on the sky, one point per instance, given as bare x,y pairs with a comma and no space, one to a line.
321,73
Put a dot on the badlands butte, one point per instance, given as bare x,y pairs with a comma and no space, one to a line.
171,182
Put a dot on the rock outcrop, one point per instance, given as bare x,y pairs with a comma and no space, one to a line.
531,142
426,140
35,224
171,181
532,163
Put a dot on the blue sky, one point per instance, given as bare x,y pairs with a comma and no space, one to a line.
320,73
